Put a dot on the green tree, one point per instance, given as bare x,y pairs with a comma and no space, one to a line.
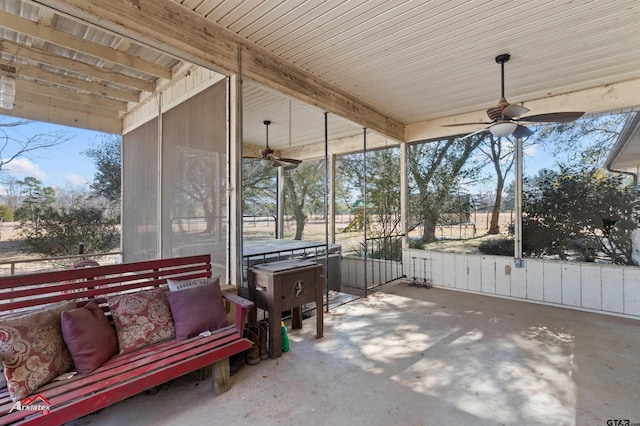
435,170
382,189
259,189
579,210
59,232
501,155
36,197
6,213
11,192
304,192
108,161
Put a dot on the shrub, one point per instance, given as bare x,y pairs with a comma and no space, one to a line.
59,232
6,214
497,246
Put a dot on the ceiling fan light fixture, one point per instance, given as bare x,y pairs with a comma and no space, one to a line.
503,128
266,162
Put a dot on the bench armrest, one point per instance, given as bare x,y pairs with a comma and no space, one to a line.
243,306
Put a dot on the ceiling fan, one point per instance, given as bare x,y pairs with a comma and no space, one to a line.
505,117
268,156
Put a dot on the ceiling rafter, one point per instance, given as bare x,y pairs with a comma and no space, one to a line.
176,30
83,98
58,110
70,82
43,57
69,41
72,105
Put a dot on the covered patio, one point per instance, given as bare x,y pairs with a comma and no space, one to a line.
412,356
189,84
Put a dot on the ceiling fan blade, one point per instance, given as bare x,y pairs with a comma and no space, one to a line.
559,117
522,132
286,165
467,124
290,160
513,110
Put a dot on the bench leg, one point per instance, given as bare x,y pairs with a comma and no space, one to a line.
220,382
205,372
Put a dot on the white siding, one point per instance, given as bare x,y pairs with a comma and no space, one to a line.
535,281
461,280
632,291
503,275
571,289
488,277
591,279
552,281
613,289
594,287
474,273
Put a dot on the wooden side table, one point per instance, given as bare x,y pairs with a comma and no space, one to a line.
284,285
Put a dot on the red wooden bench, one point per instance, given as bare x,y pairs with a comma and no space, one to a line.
129,374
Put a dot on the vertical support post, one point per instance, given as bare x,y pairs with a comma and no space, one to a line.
518,219
364,207
326,209
235,176
404,201
159,239
332,198
280,203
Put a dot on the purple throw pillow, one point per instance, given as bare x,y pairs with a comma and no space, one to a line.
89,337
197,309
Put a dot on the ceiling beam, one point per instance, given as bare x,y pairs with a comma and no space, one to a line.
178,31
69,41
338,146
74,96
60,111
96,73
75,83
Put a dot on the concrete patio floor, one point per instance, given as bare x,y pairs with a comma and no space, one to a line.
412,356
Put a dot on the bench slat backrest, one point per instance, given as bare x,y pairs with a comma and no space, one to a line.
24,291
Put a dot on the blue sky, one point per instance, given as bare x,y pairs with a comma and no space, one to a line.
61,166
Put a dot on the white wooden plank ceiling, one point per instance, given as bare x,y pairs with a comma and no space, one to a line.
420,60
415,60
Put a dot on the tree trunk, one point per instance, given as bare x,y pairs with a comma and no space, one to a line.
429,230
301,218
298,212
494,227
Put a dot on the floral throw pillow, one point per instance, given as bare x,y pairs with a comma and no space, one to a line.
32,348
141,318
